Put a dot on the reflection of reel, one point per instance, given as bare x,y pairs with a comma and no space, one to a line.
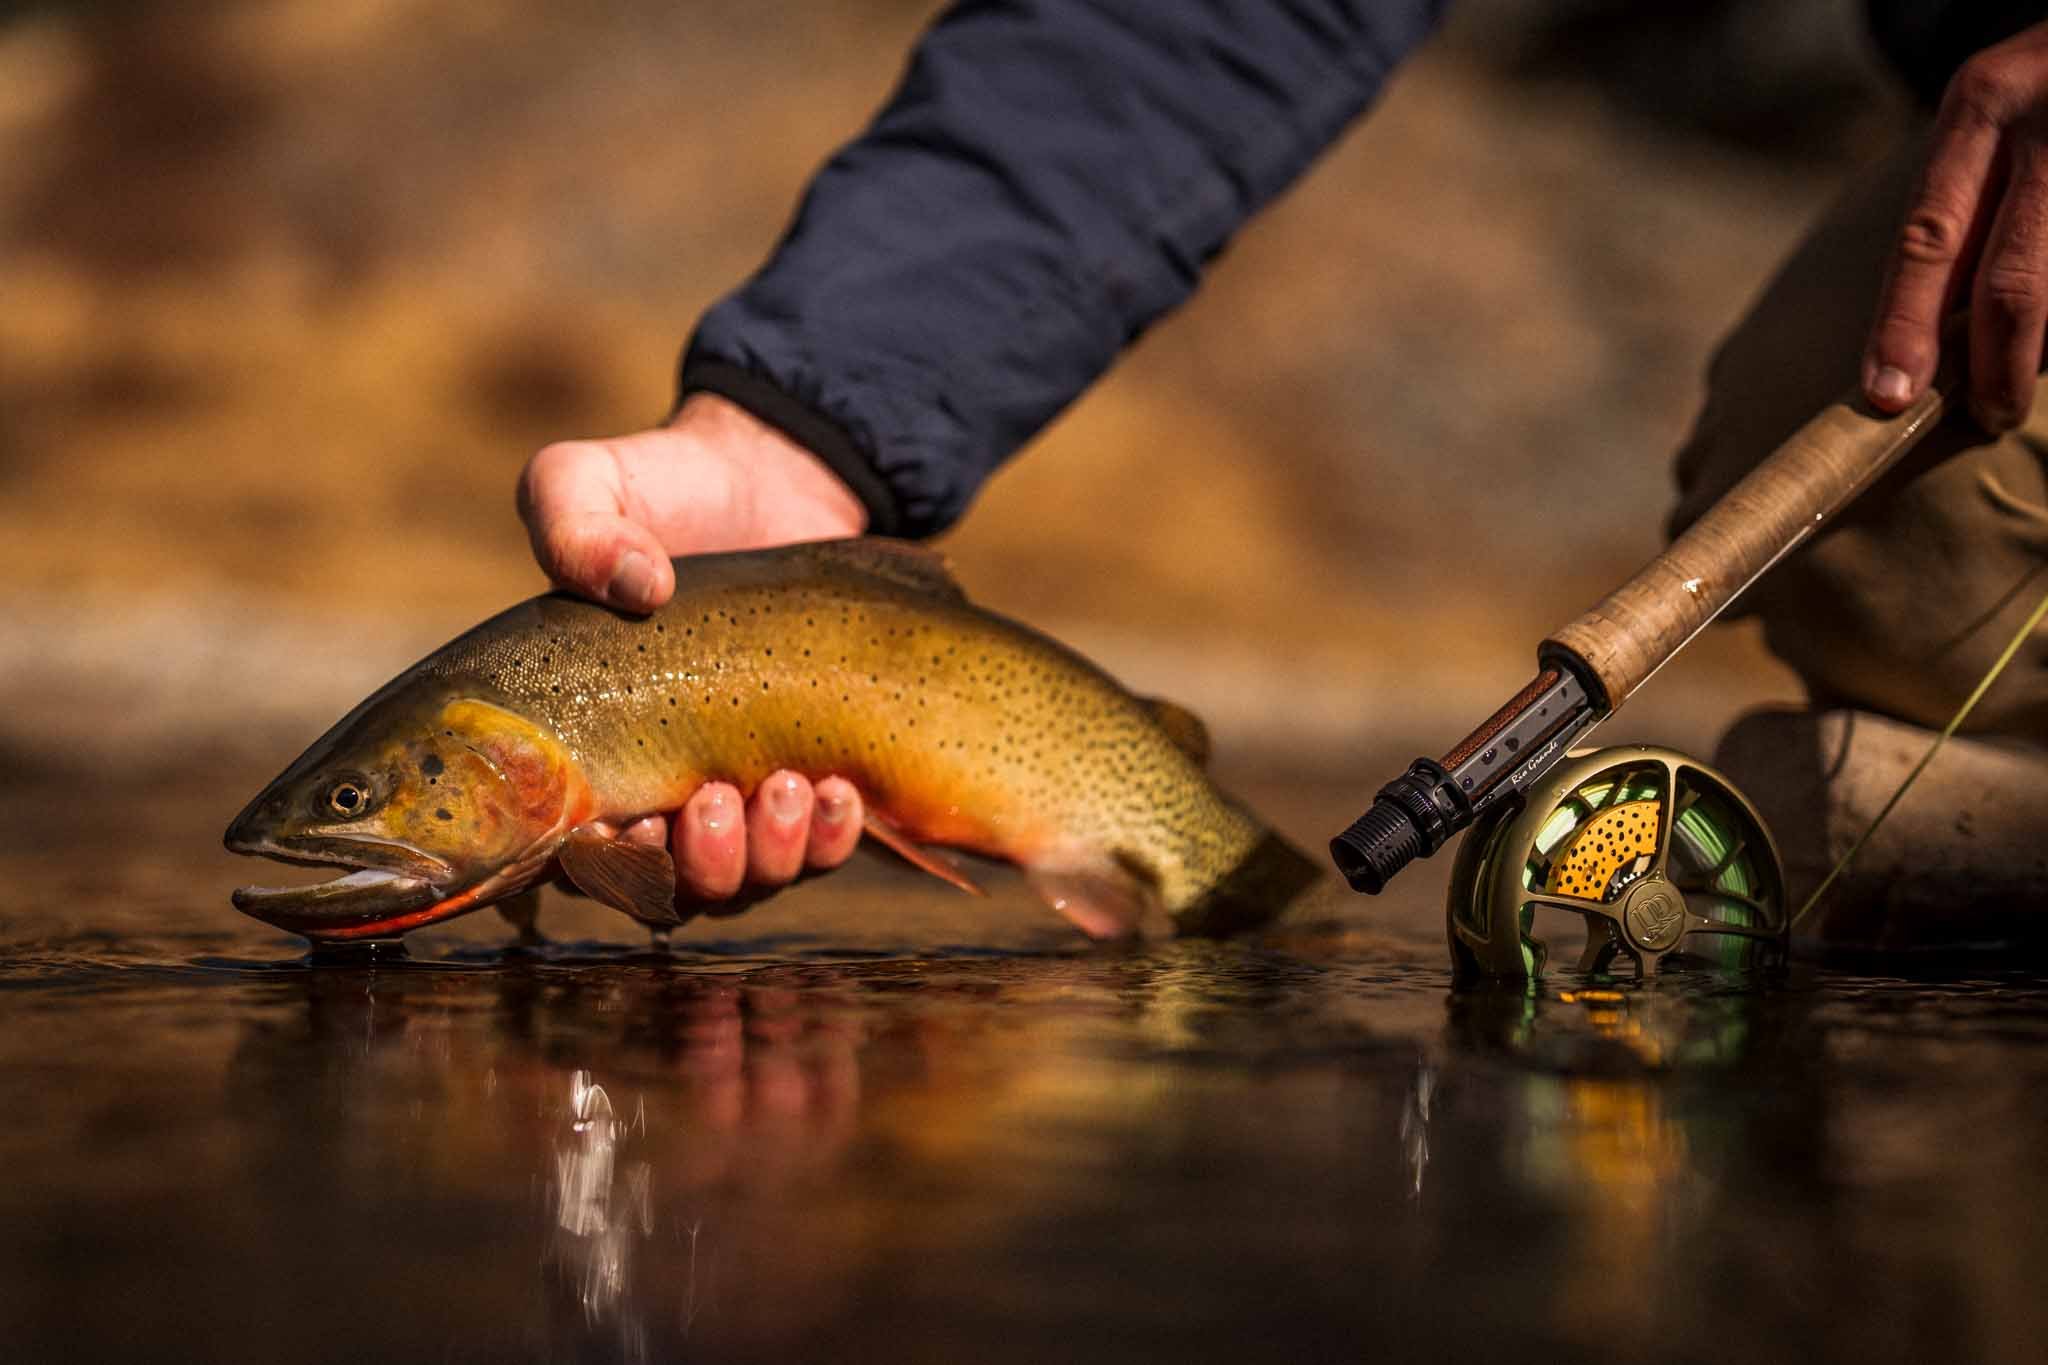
1656,853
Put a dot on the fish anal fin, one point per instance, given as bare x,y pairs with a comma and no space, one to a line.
1105,902
918,856
1183,727
904,563
636,879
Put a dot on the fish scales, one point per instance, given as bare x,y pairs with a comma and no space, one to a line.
861,660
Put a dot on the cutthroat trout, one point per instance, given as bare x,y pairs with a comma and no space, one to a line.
508,756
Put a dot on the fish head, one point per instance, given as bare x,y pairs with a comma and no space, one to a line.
432,801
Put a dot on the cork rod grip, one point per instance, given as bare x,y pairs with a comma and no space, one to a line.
1813,475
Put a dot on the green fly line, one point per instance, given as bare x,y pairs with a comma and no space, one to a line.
2012,649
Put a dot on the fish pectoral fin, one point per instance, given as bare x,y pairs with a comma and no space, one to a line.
636,879
904,563
918,856
1183,727
1106,902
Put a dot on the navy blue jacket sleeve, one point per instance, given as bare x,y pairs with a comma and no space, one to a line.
1050,177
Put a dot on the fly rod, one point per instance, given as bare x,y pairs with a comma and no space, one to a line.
1592,665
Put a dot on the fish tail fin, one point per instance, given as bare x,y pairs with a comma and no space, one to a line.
1260,886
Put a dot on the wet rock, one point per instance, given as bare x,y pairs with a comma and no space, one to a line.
1959,863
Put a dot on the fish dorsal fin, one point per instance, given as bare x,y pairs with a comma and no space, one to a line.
904,563
637,879
1183,727
918,856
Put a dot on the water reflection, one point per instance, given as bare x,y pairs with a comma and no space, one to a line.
602,1207
1415,1127
636,1161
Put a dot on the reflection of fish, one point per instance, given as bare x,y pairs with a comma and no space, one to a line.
519,748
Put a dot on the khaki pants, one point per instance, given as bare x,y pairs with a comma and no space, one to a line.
1895,611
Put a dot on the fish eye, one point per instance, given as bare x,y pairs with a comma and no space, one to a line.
348,798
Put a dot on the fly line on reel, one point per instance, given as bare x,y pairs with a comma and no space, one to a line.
1656,854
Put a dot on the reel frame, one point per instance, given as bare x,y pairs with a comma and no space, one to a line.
1596,838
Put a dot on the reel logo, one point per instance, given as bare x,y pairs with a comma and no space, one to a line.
1655,917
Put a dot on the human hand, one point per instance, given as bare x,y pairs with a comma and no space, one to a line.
724,844
605,516
1976,233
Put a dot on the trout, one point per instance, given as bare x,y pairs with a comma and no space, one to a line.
511,755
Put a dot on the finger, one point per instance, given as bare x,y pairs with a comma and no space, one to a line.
1930,256
651,830
778,826
2009,303
836,816
572,497
710,842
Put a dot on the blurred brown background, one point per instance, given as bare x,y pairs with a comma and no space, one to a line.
289,289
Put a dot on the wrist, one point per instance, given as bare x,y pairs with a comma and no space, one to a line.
796,495
803,423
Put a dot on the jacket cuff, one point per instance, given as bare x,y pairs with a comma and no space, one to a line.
805,425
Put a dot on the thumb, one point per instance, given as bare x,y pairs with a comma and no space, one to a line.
572,499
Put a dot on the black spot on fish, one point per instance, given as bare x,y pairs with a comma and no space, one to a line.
431,765
443,814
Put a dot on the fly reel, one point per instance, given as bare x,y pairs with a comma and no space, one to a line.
1656,853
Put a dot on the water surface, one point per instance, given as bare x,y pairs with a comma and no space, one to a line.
794,1140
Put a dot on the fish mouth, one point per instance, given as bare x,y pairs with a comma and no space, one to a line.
384,890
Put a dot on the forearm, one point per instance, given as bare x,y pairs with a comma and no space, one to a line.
1051,177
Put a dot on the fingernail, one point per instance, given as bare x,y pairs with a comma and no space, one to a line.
833,806
714,813
632,582
786,801
1892,385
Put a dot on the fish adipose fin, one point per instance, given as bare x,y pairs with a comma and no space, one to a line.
919,856
638,879
904,563
1183,727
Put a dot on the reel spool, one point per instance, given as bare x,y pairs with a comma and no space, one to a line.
1657,853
